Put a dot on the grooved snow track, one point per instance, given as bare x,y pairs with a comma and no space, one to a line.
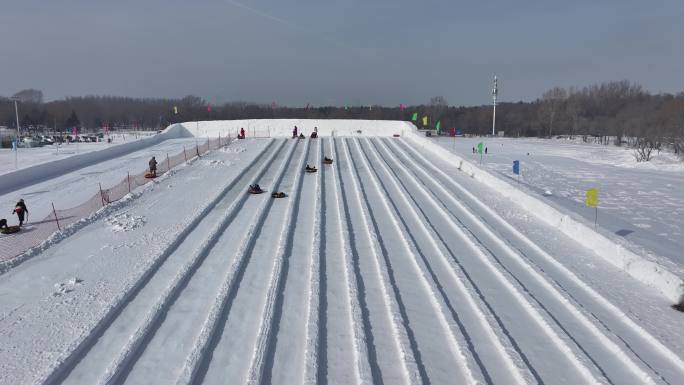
380,268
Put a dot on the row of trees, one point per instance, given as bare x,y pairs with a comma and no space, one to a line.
618,109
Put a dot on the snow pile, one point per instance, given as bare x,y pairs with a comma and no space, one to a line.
125,222
214,163
648,269
67,286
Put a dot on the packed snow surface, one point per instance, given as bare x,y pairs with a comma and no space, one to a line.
386,266
642,202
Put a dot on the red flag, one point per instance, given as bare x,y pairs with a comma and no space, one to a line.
401,106
209,107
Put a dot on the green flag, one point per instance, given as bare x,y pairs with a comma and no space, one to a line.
480,148
439,124
415,116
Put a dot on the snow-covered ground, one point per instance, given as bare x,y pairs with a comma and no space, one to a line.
74,188
27,157
640,202
387,266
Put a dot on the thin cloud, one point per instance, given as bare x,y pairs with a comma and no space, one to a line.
315,34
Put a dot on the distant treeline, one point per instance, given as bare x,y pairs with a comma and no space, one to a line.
617,109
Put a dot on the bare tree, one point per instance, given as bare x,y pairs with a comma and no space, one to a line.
29,96
551,103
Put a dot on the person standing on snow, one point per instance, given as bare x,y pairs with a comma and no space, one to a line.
153,167
20,209
242,132
294,132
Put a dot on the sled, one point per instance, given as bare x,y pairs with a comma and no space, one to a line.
150,175
327,161
301,136
10,230
278,195
396,135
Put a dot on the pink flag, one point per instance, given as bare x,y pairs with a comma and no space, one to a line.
209,107
74,131
401,106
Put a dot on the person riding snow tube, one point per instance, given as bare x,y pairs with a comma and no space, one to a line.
279,194
327,160
255,189
310,168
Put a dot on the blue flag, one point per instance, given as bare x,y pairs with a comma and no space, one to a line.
516,167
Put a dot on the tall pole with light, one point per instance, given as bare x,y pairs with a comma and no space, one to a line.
16,139
495,92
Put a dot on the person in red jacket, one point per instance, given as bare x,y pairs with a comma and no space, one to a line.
20,209
242,132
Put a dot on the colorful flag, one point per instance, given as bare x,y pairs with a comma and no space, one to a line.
74,131
480,148
414,117
425,120
175,110
516,167
439,124
401,106
592,197
209,107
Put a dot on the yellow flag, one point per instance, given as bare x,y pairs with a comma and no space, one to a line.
175,110
592,197
425,120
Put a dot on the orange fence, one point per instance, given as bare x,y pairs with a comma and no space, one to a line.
36,233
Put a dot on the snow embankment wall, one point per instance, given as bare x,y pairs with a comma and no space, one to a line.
24,177
283,127
645,268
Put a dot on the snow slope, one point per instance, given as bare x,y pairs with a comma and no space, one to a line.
554,188
388,266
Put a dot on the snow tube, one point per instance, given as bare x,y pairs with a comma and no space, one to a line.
255,191
310,170
149,175
327,161
396,135
10,230
278,195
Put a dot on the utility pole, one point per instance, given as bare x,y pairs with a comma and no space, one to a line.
495,91
16,140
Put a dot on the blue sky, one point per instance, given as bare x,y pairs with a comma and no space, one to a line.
334,53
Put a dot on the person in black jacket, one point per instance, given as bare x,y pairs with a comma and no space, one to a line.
3,223
21,210
153,167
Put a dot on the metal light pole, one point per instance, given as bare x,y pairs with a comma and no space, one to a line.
16,139
495,92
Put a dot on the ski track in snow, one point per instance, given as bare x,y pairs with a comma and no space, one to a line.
379,268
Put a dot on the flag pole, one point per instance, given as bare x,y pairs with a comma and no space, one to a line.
495,92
